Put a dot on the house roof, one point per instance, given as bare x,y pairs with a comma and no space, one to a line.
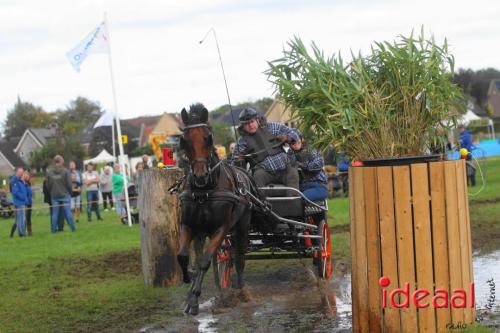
146,120
39,135
7,150
42,134
494,97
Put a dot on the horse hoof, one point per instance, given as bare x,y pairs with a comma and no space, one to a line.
194,310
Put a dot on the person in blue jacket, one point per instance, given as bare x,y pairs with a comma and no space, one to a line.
20,198
313,179
465,138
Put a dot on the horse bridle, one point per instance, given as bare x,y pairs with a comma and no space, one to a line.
202,159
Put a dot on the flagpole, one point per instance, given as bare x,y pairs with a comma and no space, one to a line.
118,127
113,137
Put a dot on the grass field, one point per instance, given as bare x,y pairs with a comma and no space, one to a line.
90,280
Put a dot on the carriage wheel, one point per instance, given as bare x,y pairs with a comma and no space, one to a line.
223,265
324,262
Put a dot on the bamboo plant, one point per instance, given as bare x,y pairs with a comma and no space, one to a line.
393,102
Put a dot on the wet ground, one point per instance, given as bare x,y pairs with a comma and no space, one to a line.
289,298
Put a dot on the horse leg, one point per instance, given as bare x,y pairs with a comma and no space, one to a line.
183,254
241,245
194,293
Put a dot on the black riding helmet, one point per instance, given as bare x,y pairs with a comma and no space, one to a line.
247,115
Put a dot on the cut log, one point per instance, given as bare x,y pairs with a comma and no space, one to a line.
159,216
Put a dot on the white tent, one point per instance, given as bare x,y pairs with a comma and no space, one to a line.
103,157
468,117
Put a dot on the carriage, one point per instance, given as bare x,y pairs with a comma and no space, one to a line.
303,232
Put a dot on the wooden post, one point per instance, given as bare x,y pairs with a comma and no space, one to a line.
159,215
410,224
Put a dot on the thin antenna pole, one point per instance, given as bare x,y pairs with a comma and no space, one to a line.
118,127
224,76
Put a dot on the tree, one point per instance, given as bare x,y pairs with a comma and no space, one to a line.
78,114
141,150
223,135
261,104
476,83
25,115
70,149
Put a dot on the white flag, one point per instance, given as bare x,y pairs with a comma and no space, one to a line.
96,42
106,119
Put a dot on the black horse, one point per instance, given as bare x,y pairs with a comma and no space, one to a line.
211,203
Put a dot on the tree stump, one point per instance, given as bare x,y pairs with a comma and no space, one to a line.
159,215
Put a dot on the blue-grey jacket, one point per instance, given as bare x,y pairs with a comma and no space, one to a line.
19,191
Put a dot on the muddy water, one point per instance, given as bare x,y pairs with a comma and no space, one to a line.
291,299
295,303
487,287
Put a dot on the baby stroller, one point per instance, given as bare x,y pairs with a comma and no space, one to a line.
134,211
6,206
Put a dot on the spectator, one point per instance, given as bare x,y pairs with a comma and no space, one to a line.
145,162
91,181
29,203
118,185
59,186
76,192
343,168
232,145
47,199
138,167
20,198
465,138
106,186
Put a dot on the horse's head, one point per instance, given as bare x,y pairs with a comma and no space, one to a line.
197,142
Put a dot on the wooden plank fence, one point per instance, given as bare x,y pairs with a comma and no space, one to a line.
410,224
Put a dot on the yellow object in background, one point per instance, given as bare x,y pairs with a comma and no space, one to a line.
221,151
160,165
124,139
463,152
156,140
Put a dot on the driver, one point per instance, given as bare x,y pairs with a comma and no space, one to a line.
261,145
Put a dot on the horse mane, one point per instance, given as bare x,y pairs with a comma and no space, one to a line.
195,111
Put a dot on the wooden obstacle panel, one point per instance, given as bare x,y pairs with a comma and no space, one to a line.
410,224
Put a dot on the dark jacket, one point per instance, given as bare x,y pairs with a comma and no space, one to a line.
59,181
46,192
29,194
262,143
19,191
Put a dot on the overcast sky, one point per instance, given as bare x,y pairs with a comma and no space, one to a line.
160,66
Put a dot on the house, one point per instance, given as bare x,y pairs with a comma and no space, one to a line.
169,125
494,98
9,161
145,125
277,112
32,140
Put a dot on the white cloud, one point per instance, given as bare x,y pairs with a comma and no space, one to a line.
160,66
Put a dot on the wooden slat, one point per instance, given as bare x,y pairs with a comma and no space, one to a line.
404,232
467,218
464,234
454,253
388,243
354,271
373,244
361,252
423,243
439,238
